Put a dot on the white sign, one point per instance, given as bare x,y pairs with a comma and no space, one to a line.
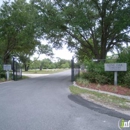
116,67
7,67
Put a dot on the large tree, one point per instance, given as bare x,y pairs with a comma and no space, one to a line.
24,57
75,22
17,28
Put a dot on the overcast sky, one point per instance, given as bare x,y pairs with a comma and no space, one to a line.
1,2
62,53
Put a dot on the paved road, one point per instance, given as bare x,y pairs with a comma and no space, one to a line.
34,75
45,103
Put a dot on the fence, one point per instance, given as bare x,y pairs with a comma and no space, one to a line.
75,70
2,72
17,70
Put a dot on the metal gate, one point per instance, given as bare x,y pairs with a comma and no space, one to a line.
17,70
75,70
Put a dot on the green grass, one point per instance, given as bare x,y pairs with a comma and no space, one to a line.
2,79
103,98
24,77
44,71
82,81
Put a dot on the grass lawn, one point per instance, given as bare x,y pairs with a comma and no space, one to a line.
2,79
102,98
24,77
44,71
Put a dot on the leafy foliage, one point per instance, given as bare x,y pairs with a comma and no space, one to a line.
48,64
127,79
124,58
92,28
17,29
102,79
82,81
96,74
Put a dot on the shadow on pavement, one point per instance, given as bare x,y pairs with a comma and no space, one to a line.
98,108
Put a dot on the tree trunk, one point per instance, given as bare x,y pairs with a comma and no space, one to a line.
26,67
40,68
103,52
103,43
6,59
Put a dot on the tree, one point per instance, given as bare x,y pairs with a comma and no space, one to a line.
25,59
44,49
62,63
46,64
105,22
124,57
17,28
35,64
40,49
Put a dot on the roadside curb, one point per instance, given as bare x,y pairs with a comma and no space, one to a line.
113,94
6,82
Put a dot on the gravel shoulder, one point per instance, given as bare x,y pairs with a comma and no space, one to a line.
110,106
88,97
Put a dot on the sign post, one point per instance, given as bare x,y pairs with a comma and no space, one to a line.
115,67
7,67
115,78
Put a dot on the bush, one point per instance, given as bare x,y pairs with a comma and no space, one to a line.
82,81
1,68
91,76
2,79
2,74
94,77
124,57
96,67
127,79
101,79
83,75
97,74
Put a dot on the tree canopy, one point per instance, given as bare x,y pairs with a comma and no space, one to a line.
91,28
97,26
19,32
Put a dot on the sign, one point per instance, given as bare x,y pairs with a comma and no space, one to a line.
116,67
7,67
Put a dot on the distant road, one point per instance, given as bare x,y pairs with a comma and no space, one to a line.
34,75
45,103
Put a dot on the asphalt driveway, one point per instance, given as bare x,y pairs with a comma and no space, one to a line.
45,103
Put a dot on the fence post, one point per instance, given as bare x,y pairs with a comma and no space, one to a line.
13,69
16,71
72,69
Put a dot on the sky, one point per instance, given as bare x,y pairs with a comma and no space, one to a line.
62,53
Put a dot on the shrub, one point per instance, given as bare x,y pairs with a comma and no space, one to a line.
101,79
83,75
2,79
123,57
127,79
91,76
98,74
82,81
1,68
94,77
2,74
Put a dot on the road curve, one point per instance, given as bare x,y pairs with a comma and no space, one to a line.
45,103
